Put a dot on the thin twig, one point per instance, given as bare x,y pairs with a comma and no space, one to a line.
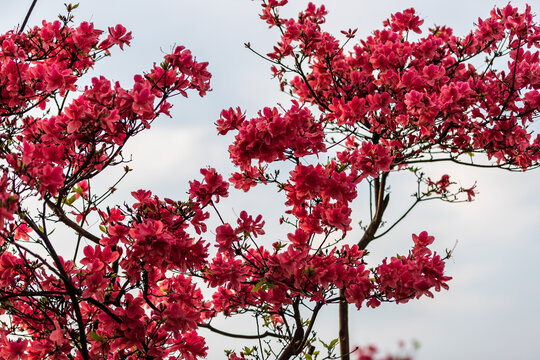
239,336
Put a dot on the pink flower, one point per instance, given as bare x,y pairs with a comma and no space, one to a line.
471,192
62,80
229,120
8,202
405,21
213,185
246,225
51,178
118,35
82,189
22,231
423,239
225,237
14,350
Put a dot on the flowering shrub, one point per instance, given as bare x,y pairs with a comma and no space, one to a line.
389,104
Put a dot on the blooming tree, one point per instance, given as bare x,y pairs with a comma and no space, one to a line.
389,104
360,113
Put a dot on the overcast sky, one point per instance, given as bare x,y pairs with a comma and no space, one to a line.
491,310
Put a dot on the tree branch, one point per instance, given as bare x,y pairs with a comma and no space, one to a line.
31,294
27,16
70,223
295,345
311,323
239,336
398,220
70,288
381,202
344,345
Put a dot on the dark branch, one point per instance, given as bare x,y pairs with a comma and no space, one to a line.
239,336
344,344
295,345
27,16
32,294
70,223
381,202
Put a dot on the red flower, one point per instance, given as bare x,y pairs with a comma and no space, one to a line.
14,350
51,178
62,80
229,120
471,192
118,35
423,239
213,185
225,237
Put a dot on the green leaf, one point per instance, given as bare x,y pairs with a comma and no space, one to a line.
78,190
71,7
279,245
248,351
324,344
258,286
71,200
94,336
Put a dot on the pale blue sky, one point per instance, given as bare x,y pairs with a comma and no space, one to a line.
491,308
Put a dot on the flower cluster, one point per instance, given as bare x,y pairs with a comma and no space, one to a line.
272,136
423,96
320,196
119,299
47,153
403,278
258,276
363,111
